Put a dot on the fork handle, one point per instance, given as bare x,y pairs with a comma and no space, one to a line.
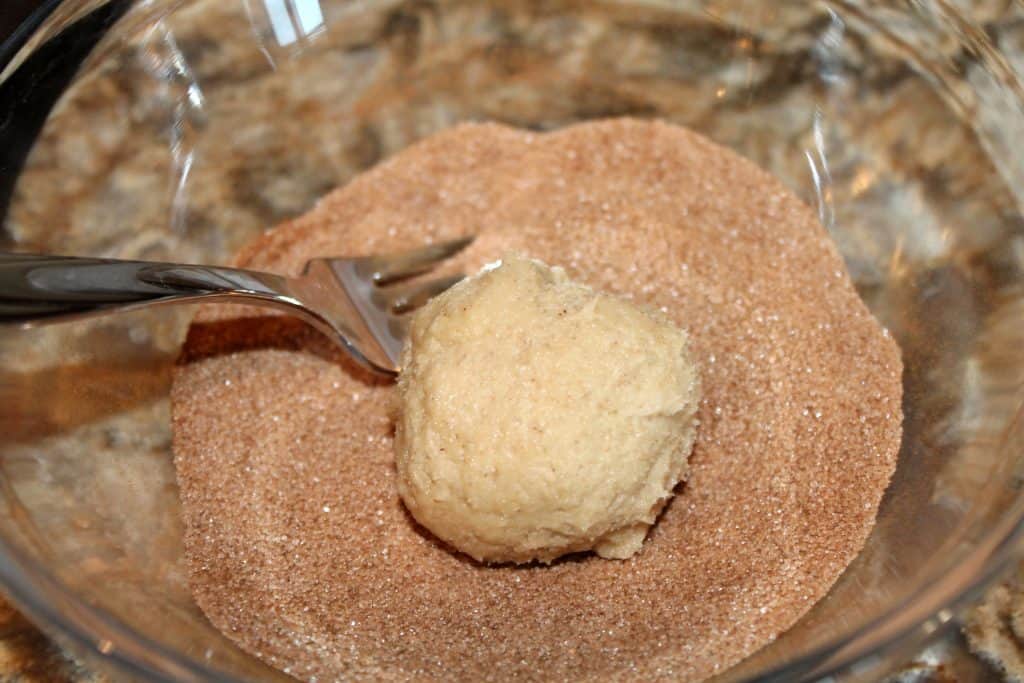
44,288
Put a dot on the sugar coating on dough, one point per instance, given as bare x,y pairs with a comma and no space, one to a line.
539,417
298,545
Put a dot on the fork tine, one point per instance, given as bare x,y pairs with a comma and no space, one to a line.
403,298
390,267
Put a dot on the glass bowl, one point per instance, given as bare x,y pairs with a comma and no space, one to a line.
178,130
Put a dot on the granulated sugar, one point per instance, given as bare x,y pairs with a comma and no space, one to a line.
299,547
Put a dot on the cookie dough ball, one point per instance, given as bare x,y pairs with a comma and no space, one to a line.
540,418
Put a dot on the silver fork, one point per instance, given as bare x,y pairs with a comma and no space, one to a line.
360,303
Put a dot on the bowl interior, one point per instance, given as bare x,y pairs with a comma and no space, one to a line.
192,126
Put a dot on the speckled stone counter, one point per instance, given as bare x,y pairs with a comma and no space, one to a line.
28,656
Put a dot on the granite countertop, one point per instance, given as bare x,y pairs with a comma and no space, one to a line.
28,656
174,121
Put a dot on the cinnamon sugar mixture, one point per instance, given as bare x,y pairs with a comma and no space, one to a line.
299,547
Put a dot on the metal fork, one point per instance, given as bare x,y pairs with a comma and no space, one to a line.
360,303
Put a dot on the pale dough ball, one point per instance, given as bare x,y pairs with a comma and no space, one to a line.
539,417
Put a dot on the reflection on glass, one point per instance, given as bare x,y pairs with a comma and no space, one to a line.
291,19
